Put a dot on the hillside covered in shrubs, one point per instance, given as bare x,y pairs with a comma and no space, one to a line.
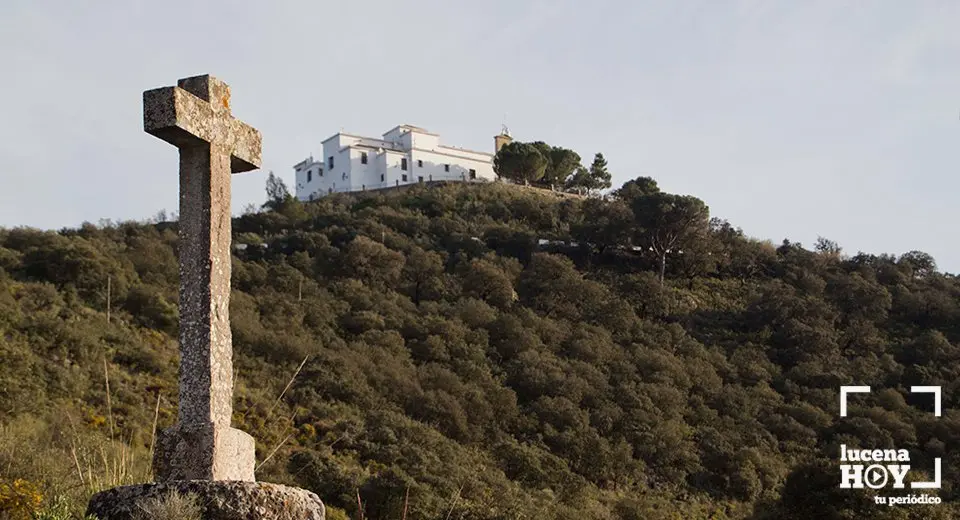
488,352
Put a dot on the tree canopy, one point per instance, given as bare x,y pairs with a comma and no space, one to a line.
561,167
520,162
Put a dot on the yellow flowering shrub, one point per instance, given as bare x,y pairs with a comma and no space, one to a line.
19,499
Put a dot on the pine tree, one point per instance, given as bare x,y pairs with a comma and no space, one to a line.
580,182
277,192
599,176
520,162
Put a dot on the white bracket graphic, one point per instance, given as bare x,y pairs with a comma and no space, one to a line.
935,390
936,478
844,390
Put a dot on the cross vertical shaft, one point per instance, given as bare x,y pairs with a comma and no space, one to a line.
206,350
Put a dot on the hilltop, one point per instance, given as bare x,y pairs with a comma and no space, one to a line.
489,352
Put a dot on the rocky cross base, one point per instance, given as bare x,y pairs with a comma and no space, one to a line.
222,500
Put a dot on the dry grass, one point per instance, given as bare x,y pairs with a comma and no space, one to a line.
172,506
68,463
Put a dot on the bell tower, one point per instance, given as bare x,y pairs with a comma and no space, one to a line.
502,140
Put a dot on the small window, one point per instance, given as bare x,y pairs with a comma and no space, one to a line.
320,171
330,162
473,174
404,177
381,177
344,176
403,164
420,178
363,158
446,167
419,163
309,175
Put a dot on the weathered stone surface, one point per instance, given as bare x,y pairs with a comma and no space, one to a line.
197,111
204,452
195,117
206,346
220,500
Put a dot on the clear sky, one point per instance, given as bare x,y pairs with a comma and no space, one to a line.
791,119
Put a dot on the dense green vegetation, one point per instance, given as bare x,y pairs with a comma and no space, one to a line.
553,167
488,352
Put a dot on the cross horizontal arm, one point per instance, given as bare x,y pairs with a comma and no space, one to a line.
177,116
246,144
184,120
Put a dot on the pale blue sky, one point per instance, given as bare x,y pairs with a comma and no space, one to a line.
791,119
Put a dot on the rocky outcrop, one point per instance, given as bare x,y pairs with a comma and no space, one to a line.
219,500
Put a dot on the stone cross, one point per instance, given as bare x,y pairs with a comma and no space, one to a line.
195,117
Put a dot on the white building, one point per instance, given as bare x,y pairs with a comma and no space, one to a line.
405,155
